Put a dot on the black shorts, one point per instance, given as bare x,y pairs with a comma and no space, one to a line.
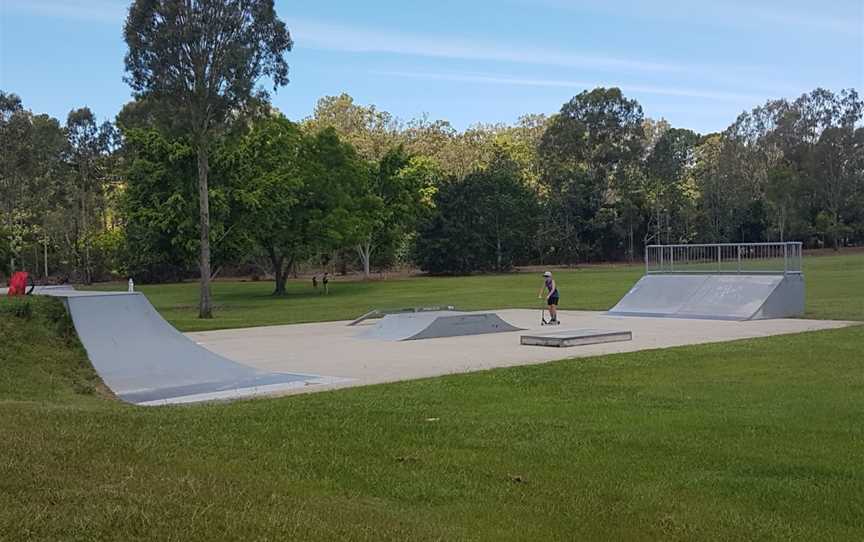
553,299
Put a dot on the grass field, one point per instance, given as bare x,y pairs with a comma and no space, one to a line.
835,290
755,439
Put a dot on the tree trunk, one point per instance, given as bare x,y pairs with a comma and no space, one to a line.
279,274
782,224
83,265
205,309
364,250
343,263
631,255
836,233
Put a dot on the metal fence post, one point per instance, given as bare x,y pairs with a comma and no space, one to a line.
800,258
718,258
785,260
738,249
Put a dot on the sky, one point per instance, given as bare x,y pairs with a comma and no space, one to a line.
696,63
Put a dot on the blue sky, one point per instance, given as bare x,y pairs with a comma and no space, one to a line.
697,63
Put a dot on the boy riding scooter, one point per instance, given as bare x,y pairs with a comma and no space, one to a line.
552,298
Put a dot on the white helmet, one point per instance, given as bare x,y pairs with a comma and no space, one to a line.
547,274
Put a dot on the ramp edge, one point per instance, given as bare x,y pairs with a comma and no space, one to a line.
560,340
243,393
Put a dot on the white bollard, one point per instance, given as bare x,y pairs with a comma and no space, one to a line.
131,285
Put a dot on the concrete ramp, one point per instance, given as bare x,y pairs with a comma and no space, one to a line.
714,296
575,337
435,324
145,361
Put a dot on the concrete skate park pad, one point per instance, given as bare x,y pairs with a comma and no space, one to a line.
435,324
714,296
575,337
145,361
333,348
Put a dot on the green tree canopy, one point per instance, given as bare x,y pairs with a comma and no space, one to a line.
590,141
485,222
202,59
294,189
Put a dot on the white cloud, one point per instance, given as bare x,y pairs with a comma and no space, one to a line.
326,36
315,34
843,17
734,97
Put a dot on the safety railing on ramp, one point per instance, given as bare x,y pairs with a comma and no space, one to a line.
725,258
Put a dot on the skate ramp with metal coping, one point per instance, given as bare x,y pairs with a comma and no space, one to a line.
714,296
146,361
436,324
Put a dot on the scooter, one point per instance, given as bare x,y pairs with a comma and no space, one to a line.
544,321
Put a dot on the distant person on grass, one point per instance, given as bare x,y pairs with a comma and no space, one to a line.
325,280
552,296
315,281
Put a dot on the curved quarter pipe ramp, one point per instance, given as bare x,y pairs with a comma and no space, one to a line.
146,361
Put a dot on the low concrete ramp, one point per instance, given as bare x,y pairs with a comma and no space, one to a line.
435,324
145,361
714,296
575,337
380,313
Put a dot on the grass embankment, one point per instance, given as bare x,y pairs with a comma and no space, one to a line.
835,290
756,439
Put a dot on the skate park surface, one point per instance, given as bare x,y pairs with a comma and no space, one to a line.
338,350
146,361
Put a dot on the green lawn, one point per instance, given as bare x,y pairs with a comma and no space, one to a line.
757,439
835,290
835,287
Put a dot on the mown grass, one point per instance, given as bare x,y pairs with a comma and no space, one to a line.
835,287
835,290
756,439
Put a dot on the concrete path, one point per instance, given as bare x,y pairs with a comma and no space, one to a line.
335,349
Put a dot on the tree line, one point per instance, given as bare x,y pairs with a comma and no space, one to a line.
597,181
200,176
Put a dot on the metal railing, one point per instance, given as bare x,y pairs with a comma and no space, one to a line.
745,258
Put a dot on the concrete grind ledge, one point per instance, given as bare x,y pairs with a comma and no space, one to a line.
575,337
